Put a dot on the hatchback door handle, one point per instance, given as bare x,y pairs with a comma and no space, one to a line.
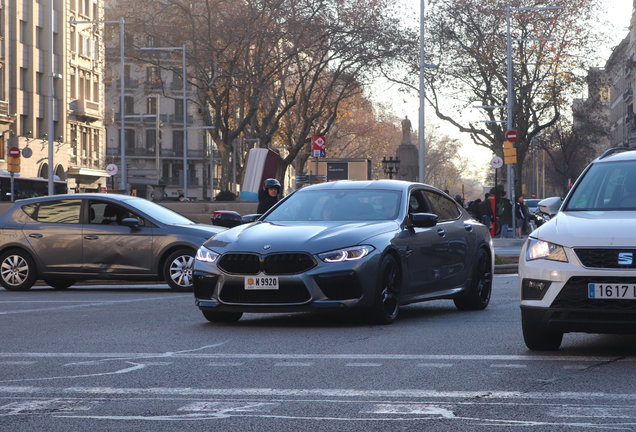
35,235
468,227
91,237
441,232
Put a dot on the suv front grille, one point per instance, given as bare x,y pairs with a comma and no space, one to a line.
573,295
604,258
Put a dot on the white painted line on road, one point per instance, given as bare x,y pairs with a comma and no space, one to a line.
187,354
363,364
293,364
101,303
506,275
411,409
225,364
576,367
512,366
344,393
436,365
17,362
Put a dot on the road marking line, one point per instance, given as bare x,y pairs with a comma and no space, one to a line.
220,356
483,395
293,364
436,365
575,367
515,366
224,364
420,409
17,362
363,364
101,303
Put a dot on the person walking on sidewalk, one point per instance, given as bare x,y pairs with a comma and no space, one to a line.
505,214
520,216
486,211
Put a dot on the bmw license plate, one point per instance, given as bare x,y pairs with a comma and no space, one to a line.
611,291
261,283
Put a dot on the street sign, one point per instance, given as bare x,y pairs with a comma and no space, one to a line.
496,162
27,152
533,195
14,152
112,169
507,144
511,136
318,146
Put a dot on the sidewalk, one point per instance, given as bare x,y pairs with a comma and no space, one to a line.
508,247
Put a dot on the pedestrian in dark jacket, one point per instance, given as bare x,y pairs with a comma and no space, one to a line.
520,216
486,211
268,196
505,214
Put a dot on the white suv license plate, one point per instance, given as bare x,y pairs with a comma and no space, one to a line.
611,291
261,283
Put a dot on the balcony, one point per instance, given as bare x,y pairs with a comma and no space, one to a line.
86,110
628,96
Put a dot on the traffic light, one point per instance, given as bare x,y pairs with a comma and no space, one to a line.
13,164
510,153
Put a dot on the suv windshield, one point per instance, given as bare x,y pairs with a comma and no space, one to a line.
338,205
606,186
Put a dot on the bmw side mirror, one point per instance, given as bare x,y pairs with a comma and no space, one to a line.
226,219
130,222
424,220
250,218
550,205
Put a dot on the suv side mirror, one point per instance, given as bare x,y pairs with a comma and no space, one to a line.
550,205
423,220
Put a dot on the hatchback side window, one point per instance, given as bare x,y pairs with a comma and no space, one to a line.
102,213
62,211
444,208
417,203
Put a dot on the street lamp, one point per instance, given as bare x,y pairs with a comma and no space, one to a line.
422,122
185,112
390,166
122,138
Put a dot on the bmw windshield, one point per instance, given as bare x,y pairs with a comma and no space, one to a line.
605,187
337,205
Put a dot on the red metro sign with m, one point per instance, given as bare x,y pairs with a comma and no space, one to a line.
318,146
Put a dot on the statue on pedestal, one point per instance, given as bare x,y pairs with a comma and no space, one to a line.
406,130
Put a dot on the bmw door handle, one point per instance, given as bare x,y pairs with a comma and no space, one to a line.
441,232
35,235
91,237
468,228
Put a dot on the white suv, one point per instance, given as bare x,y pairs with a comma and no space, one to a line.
577,272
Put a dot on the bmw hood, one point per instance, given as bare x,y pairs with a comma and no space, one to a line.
590,229
311,237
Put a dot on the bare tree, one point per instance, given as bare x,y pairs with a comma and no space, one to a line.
466,39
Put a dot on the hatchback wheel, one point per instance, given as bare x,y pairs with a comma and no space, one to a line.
17,270
177,270
387,301
480,287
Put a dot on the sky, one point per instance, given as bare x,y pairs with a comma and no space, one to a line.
618,13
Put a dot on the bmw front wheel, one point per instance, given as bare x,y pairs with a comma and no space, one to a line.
387,301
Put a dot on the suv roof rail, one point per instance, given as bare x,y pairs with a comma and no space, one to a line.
616,150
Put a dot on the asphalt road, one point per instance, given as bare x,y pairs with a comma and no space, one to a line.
143,358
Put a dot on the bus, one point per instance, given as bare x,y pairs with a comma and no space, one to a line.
28,187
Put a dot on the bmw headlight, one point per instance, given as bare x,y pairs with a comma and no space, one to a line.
348,254
539,249
206,255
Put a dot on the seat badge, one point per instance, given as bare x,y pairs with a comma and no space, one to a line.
266,247
625,258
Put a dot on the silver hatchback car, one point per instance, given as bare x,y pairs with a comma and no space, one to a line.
66,238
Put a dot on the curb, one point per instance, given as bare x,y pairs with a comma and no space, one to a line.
507,269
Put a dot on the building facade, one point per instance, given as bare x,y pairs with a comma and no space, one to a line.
77,90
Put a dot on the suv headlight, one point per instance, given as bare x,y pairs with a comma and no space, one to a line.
539,249
206,255
347,254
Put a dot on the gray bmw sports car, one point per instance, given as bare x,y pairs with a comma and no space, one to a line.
373,245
